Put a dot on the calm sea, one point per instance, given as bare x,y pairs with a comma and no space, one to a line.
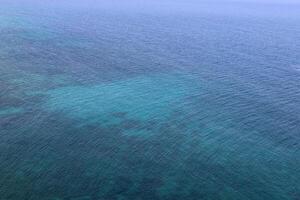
149,100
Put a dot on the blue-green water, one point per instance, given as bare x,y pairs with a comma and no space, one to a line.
149,100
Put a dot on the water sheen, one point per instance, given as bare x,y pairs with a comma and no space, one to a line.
149,100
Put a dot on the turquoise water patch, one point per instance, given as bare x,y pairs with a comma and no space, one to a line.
140,99
10,111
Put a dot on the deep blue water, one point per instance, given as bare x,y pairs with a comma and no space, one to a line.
141,100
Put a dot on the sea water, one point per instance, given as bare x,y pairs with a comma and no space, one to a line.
137,100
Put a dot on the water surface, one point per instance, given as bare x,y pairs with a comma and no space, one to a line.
149,100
